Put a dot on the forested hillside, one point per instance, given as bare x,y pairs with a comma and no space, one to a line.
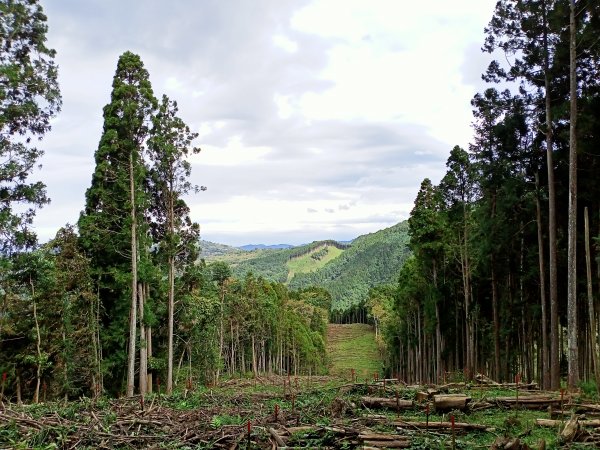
273,264
210,250
371,260
347,272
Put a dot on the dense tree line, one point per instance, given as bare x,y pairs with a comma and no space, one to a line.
121,303
504,276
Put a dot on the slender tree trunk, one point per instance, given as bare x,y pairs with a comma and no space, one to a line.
134,299
143,376
221,331
573,355
545,366
438,329
171,308
38,345
553,275
496,318
150,378
590,298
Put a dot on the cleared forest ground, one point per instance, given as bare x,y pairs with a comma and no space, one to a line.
312,412
353,346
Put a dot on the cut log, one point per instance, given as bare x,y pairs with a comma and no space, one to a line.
278,440
422,396
570,430
481,378
532,402
441,425
450,402
390,403
558,423
365,436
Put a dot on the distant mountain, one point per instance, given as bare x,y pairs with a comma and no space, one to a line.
346,270
251,247
371,260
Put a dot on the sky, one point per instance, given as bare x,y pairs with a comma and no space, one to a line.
316,119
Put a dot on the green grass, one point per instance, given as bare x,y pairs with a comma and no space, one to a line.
353,346
306,263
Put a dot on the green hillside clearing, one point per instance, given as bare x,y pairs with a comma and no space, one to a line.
312,261
350,347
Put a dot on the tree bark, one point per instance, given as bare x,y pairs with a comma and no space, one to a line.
134,299
545,378
573,353
143,376
590,298
171,300
554,354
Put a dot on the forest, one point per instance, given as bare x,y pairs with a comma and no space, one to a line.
120,302
505,274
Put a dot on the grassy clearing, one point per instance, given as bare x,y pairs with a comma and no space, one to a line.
353,346
307,263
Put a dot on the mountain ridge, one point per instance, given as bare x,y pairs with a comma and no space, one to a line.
371,259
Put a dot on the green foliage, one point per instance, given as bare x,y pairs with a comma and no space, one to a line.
29,99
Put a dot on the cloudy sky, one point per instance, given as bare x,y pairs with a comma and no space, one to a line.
318,119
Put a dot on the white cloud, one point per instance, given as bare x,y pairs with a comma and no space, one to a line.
301,107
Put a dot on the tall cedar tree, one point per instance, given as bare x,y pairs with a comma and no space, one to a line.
112,223
29,98
170,145
524,32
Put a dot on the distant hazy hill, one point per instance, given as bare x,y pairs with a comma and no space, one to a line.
348,271
251,247
210,250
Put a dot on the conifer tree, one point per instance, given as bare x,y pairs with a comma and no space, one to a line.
112,223
170,145
29,98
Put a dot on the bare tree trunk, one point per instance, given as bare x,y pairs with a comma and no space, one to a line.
221,330
143,376
590,298
38,344
554,352
496,319
134,299
573,354
545,378
171,313
438,330
150,383
18,388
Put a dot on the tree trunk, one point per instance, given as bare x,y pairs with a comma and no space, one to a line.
134,299
143,376
573,354
38,343
150,378
545,366
221,331
171,307
496,318
554,360
590,298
